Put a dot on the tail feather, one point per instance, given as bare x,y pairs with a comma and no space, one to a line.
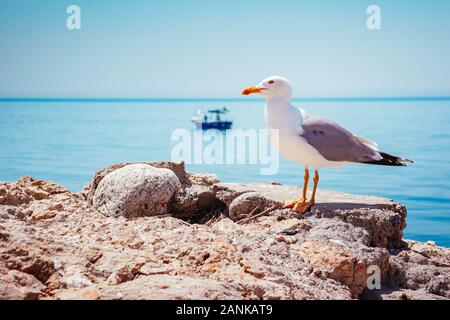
390,160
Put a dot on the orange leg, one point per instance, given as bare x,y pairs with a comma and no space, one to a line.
316,182
302,200
302,207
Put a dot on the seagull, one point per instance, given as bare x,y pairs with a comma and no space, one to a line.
313,141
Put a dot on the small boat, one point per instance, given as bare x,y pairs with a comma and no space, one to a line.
212,119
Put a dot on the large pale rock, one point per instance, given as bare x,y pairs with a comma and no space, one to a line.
136,190
177,168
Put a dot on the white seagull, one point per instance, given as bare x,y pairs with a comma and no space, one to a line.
312,141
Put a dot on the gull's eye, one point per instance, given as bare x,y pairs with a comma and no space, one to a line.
271,82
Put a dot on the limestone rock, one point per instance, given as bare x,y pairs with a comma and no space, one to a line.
196,199
343,264
161,287
26,190
250,204
421,267
205,179
17,285
382,219
400,294
55,245
177,168
136,190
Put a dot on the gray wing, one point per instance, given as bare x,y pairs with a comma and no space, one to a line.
335,143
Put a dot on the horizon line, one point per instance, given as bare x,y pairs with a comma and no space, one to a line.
241,99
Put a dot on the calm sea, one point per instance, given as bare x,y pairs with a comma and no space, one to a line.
68,141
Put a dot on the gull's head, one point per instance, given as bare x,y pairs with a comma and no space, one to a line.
271,87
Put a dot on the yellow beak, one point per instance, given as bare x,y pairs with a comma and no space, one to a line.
251,90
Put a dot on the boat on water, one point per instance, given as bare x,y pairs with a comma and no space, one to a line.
212,119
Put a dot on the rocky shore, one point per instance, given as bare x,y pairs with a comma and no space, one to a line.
153,231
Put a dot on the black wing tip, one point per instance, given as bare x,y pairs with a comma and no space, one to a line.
407,161
390,160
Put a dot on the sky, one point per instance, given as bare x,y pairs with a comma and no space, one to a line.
212,49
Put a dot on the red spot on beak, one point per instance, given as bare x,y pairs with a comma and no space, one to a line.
250,90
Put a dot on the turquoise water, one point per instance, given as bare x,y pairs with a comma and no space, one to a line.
67,141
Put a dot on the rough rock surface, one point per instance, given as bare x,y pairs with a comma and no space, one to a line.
218,241
136,190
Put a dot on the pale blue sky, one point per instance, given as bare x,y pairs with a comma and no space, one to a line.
207,48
